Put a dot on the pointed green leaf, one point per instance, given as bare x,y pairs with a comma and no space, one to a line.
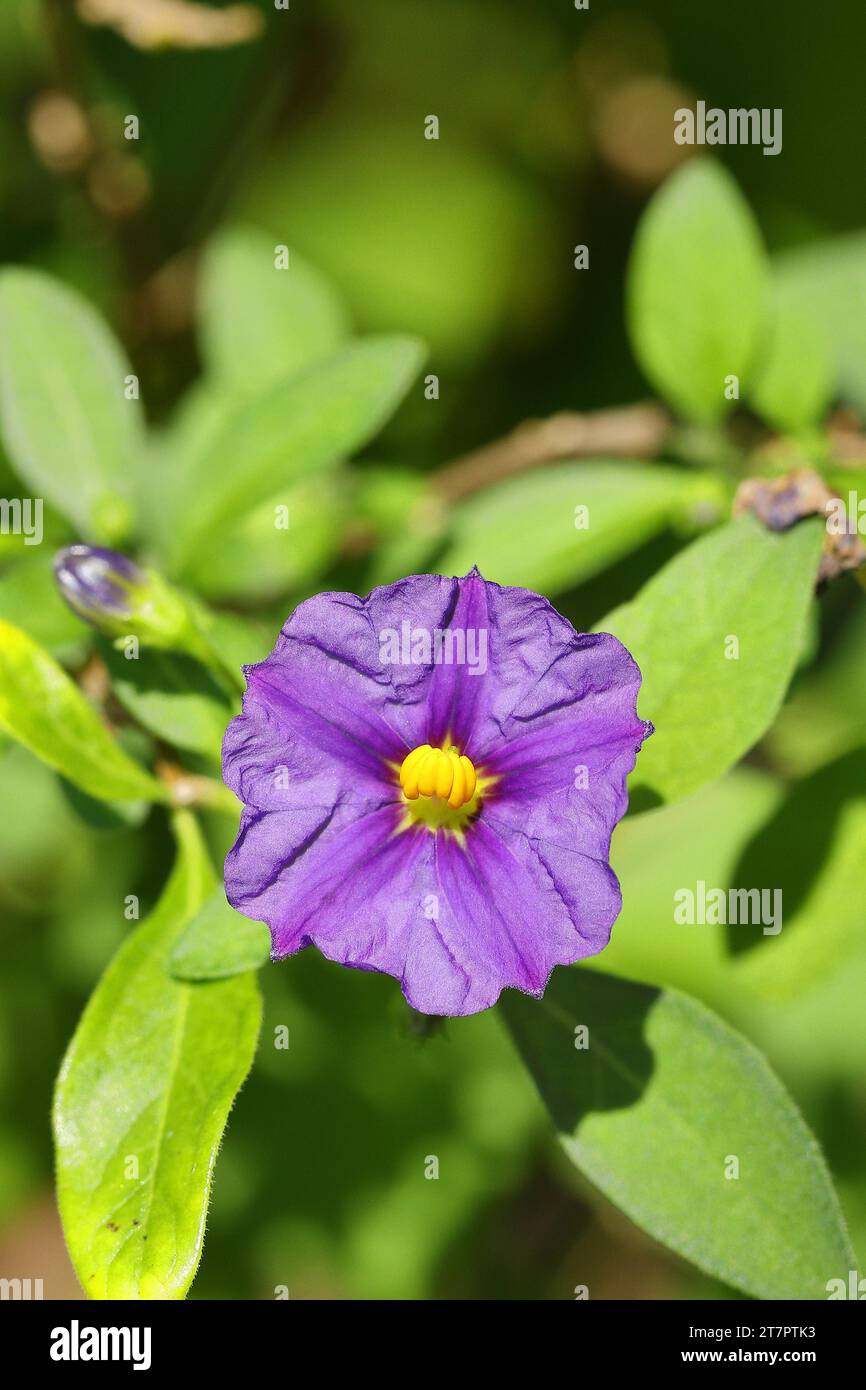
43,709
220,942
171,696
827,279
696,288
142,1100
257,558
792,379
260,323
717,634
290,431
681,1123
558,526
66,424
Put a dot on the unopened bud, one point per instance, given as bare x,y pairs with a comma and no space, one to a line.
117,596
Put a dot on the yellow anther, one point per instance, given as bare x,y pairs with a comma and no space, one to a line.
440,772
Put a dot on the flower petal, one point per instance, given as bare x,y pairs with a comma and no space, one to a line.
568,747
454,924
326,705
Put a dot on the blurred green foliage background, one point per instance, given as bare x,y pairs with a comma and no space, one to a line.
555,128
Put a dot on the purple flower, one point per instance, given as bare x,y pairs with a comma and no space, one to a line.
430,778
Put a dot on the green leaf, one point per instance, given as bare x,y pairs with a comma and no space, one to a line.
828,281
743,584
104,815
826,714
411,546
172,696
66,424
654,1109
142,1100
530,530
258,323
812,850
29,599
259,558
237,641
672,847
792,379
43,709
696,288
282,543
219,942
202,414
293,430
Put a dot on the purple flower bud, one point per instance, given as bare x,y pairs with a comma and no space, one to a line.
98,585
121,599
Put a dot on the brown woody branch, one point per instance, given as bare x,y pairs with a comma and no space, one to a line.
634,431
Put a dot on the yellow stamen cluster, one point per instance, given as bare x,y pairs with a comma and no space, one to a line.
441,772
